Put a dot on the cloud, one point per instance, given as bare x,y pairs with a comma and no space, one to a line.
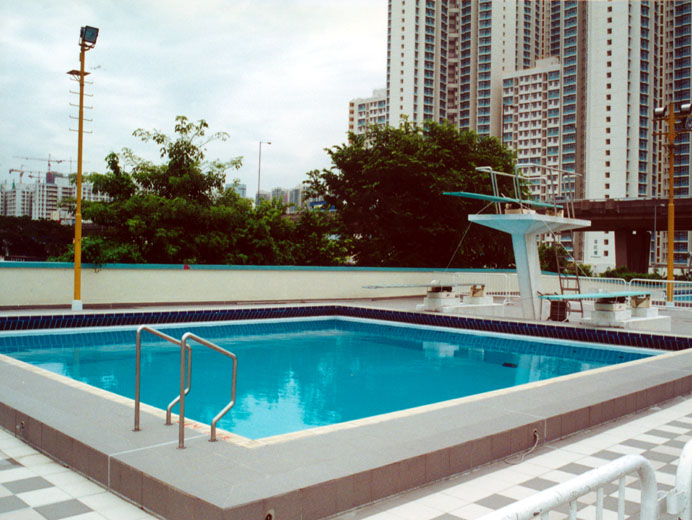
261,70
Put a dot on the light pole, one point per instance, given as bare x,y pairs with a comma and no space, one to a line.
668,114
87,41
259,170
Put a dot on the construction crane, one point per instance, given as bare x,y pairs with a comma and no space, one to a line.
21,173
49,160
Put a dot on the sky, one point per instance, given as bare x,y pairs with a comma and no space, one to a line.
263,70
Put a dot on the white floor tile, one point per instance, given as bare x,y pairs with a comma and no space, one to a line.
555,459
42,497
50,469
443,502
36,459
125,511
414,511
471,511
22,514
18,473
19,451
102,501
82,489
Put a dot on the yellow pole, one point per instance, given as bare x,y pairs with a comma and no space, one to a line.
671,203
77,301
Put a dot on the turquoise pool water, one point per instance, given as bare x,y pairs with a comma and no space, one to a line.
298,374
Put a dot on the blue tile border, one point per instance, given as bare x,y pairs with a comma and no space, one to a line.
565,332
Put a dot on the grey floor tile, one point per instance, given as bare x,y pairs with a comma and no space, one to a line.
8,464
495,501
63,509
653,455
607,455
612,504
574,468
27,484
634,443
661,433
681,424
539,484
674,443
447,516
11,503
668,468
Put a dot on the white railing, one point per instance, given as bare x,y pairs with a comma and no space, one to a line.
541,504
678,501
496,284
681,292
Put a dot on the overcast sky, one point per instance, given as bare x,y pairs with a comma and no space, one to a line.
271,70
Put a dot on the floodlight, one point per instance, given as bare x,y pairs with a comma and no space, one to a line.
660,112
89,34
686,108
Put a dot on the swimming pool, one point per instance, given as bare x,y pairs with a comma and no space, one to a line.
295,374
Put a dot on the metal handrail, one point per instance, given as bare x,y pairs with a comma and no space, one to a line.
183,346
138,357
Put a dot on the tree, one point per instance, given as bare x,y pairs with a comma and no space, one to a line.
178,211
387,188
32,239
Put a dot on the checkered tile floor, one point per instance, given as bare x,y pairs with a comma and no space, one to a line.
658,435
34,487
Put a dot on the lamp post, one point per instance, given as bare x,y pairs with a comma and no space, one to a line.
667,114
87,41
259,170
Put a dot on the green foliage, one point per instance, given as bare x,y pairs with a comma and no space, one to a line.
33,239
555,258
178,212
387,187
627,275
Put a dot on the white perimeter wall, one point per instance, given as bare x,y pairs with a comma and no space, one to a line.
32,284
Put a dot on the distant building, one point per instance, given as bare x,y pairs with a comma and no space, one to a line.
363,112
240,189
41,199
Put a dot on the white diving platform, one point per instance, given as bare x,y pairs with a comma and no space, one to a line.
524,229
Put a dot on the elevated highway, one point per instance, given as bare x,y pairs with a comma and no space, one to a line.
633,214
633,221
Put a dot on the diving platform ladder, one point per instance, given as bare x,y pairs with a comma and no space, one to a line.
568,283
185,378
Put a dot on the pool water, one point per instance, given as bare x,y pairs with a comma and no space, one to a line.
298,374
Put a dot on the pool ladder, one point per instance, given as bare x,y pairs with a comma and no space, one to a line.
184,389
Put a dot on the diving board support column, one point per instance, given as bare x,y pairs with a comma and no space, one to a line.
524,229
528,272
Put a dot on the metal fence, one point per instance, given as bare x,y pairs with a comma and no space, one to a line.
681,292
496,284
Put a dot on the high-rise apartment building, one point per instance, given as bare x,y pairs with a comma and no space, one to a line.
41,199
363,112
567,84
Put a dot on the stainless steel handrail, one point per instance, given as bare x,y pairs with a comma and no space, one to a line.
138,356
183,346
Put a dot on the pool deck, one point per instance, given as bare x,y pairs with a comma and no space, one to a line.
330,470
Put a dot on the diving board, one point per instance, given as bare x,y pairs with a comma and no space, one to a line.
421,285
494,198
594,296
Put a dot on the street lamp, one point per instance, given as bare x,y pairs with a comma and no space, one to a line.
87,41
668,114
259,170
